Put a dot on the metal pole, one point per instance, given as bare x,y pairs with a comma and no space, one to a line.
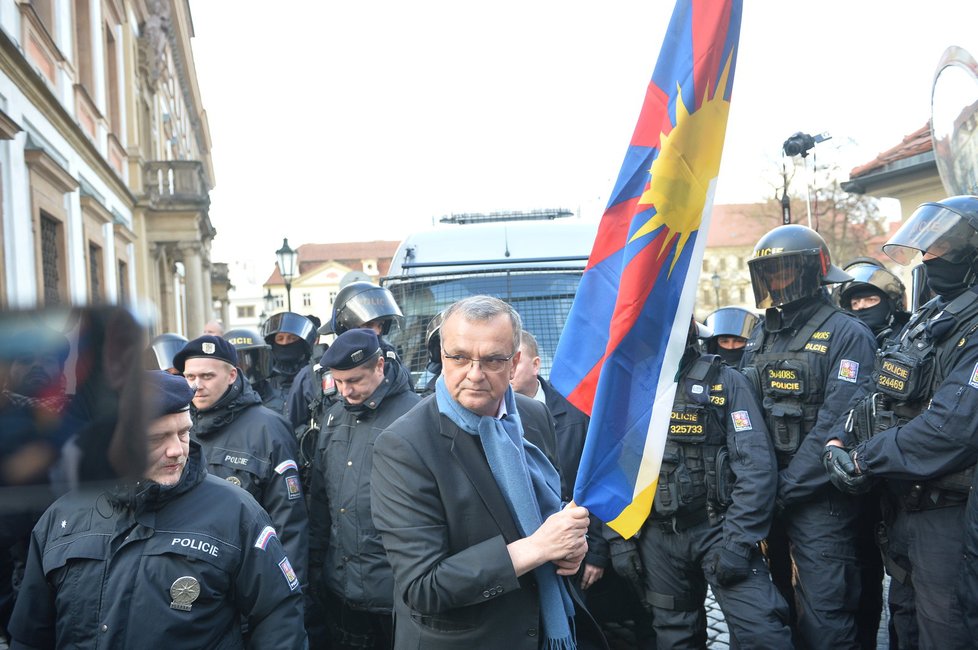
288,294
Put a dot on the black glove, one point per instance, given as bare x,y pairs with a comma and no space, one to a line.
843,472
732,564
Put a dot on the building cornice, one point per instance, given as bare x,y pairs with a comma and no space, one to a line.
37,92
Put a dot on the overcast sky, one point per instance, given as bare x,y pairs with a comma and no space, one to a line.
348,121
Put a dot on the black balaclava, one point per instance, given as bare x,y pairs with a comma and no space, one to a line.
877,317
949,279
288,359
732,357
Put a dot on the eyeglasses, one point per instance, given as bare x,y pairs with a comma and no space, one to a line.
488,364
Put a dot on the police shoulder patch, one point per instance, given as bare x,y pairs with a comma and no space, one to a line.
293,488
265,536
285,466
741,420
973,382
289,573
849,371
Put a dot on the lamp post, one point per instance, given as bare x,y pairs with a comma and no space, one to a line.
286,266
715,279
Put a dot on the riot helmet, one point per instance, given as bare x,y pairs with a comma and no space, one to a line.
432,337
868,275
254,354
791,263
358,303
162,349
946,232
290,323
729,322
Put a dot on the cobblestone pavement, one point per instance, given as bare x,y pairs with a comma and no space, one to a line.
718,637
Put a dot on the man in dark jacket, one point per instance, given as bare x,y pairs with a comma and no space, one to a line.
244,442
177,559
347,561
469,506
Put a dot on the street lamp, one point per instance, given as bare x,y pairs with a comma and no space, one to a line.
715,279
286,266
269,301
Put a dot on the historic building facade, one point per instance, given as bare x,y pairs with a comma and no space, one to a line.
105,167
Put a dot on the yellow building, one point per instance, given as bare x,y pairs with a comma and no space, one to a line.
105,166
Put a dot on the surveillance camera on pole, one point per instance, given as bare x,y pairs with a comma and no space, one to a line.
799,144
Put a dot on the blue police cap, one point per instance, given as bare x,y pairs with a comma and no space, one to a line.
166,393
352,348
206,347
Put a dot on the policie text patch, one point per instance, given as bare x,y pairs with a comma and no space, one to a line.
973,382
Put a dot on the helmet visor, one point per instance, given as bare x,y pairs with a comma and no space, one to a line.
255,363
781,279
731,321
869,277
935,230
367,306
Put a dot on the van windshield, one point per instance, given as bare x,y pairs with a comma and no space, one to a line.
542,297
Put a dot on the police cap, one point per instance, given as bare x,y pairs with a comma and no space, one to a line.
352,348
207,346
167,393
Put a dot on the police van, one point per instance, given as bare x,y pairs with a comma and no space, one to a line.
532,260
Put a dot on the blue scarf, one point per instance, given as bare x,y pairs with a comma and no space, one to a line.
530,486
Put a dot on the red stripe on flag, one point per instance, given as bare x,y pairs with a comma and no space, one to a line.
613,231
637,282
707,23
654,119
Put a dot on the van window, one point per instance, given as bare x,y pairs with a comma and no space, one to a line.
542,297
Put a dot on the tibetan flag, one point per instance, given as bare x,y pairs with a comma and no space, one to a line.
620,349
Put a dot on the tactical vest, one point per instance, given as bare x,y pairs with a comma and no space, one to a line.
791,394
695,471
907,373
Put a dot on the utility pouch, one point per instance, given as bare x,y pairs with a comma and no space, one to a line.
720,484
666,501
785,422
903,377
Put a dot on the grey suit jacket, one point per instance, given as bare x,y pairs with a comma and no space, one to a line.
445,526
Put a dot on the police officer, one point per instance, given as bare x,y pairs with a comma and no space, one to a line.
876,296
713,505
358,304
347,559
807,358
244,442
176,559
159,355
917,426
730,328
291,337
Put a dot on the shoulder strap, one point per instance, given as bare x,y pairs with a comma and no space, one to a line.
822,314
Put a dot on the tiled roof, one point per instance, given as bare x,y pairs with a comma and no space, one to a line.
739,224
916,143
313,256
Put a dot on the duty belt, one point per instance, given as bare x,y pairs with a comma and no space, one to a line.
683,521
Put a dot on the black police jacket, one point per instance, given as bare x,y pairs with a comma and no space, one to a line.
944,437
253,448
345,549
158,566
839,356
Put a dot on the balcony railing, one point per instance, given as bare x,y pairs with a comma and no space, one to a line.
175,181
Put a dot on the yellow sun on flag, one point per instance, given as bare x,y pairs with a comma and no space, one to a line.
689,158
